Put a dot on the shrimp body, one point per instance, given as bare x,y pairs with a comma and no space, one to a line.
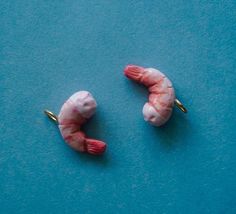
74,113
158,109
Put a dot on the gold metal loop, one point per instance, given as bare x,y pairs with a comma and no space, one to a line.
180,106
51,115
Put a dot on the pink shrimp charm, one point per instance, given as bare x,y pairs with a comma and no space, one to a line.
158,109
74,113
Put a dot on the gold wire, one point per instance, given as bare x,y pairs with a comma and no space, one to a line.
51,115
180,106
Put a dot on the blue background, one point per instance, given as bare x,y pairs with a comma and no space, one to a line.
51,49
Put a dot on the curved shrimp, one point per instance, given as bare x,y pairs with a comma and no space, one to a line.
75,112
162,95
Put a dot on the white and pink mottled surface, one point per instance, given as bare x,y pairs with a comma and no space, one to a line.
75,112
158,109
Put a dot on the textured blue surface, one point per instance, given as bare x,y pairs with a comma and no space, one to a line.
50,49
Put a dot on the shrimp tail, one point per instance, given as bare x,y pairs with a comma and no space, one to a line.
134,72
95,147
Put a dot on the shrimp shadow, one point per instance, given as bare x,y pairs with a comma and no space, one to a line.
88,159
175,132
93,129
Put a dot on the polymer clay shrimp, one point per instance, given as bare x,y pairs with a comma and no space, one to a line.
158,109
73,114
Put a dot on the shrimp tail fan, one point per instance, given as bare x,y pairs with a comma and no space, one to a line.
134,72
95,147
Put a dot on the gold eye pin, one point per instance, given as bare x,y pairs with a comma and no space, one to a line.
180,106
51,115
